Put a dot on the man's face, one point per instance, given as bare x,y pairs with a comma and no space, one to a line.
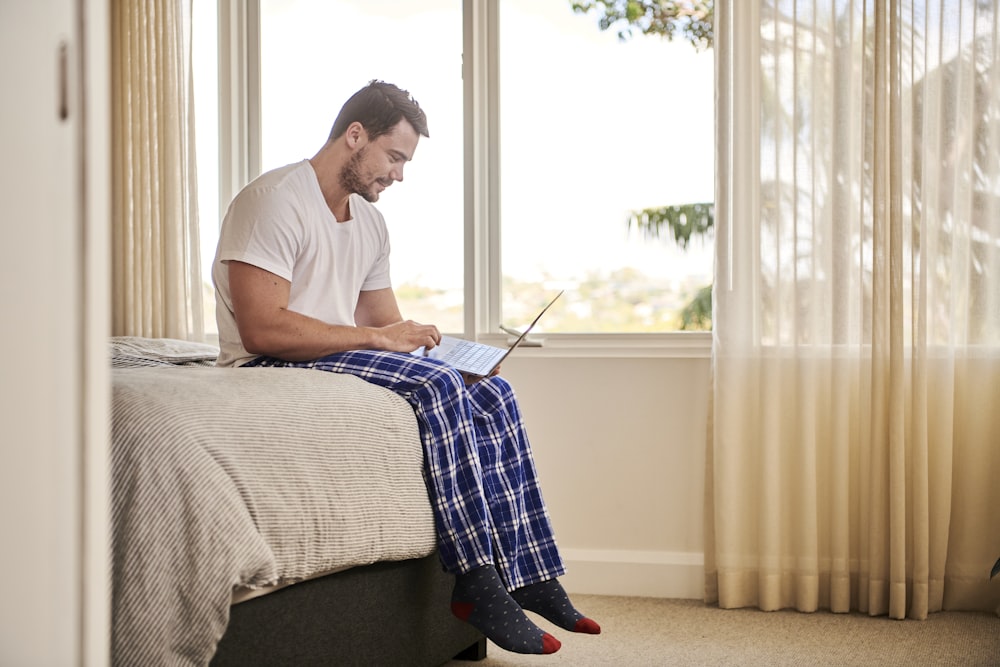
376,164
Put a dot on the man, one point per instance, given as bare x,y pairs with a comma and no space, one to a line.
302,279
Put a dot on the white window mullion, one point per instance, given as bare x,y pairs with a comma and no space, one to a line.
239,97
482,167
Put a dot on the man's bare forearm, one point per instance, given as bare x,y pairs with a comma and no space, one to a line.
295,337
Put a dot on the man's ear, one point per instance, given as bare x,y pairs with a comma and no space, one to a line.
356,135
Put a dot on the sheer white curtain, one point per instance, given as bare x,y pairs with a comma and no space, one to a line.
156,275
854,458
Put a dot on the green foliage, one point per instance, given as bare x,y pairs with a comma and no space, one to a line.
682,220
692,19
697,314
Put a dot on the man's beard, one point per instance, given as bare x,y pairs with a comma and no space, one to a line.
350,177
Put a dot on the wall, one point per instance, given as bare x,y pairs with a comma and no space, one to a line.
39,393
53,279
620,448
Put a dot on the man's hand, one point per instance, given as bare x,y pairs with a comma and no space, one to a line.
408,335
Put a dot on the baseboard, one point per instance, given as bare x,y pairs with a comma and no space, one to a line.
661,574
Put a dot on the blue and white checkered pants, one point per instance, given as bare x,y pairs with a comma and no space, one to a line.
478,465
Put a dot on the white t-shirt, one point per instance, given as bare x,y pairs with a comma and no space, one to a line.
280,223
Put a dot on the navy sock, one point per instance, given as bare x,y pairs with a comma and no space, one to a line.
481,600
549,599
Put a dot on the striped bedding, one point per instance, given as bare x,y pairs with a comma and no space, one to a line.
231,478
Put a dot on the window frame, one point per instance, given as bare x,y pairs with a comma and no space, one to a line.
240,161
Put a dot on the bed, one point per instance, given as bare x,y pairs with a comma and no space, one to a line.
269,516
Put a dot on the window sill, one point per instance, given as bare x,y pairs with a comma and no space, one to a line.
678,345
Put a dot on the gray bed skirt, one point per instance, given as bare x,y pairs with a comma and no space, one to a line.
389,613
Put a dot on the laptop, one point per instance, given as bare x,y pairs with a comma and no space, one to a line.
473,358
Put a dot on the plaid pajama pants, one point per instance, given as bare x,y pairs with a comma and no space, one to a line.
478,466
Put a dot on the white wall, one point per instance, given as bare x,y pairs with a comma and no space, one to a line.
39,394
52,411
620,448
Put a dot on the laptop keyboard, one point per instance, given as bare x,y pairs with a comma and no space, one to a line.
471,355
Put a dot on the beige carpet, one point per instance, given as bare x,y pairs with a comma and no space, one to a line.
650,631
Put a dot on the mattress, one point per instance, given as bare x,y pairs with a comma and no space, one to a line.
234,479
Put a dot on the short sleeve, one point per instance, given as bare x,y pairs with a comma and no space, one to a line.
262,228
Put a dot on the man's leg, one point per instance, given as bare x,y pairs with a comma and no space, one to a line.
524,544
524,548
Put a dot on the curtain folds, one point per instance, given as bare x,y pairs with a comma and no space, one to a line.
156,275
854,450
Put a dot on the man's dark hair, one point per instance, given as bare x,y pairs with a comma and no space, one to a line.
379,106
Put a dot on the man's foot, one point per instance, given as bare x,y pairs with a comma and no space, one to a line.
549,599
481,600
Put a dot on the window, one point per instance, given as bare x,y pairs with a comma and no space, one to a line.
205,69
311,64
593,128
588,129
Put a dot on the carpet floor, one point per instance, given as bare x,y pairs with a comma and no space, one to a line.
651,631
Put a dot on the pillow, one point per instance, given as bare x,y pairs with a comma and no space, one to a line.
134,351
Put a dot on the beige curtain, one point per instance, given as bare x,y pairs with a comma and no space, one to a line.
854,455
156,276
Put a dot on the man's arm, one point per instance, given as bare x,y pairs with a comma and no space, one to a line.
377,308
268,327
